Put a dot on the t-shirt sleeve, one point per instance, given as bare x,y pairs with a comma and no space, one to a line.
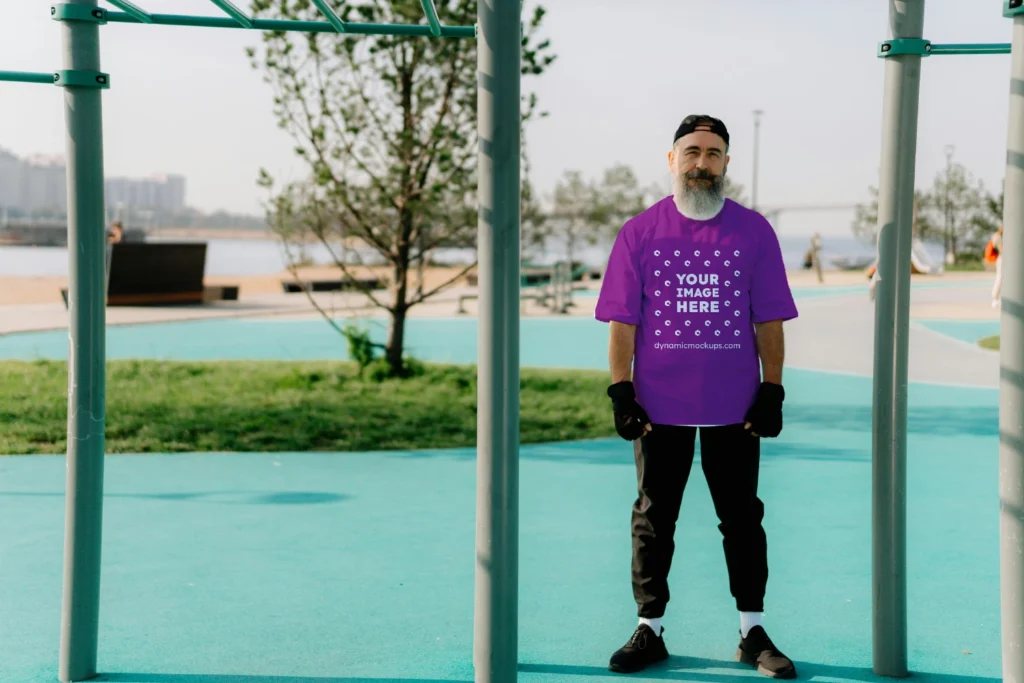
621,286
770,295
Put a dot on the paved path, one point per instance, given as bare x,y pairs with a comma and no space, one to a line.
836,334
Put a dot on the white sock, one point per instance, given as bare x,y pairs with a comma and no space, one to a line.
655,624
749,620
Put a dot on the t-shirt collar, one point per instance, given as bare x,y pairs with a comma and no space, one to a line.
709,218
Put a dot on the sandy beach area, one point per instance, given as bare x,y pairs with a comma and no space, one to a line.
16,290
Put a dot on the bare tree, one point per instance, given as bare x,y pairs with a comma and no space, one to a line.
387,126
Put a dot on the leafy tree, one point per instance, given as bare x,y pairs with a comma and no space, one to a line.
534,224
956,211
988,221
865,222
734,191
387,127
575,216
588,211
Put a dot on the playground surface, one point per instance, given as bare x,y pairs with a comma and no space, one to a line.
358,567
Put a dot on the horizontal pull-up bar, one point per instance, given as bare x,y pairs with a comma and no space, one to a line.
82,78
972,49
924,48
26,77
289,25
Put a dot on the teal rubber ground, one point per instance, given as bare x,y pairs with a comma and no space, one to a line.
969,331
342,568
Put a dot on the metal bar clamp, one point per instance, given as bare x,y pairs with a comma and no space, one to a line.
81,79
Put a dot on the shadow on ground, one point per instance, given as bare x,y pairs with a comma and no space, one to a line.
699,670
214,497
803,422
692,669
240,678
964,420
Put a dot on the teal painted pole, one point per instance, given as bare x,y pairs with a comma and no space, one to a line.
86,357
1011,376
892,327
26,77
495,646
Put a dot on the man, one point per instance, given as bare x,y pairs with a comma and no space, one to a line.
695,294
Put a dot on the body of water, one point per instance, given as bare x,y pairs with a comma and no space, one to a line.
266,257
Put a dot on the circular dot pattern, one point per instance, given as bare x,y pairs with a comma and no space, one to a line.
687,315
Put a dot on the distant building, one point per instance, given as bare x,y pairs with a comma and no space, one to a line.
160,193
10,180
39,183
44,184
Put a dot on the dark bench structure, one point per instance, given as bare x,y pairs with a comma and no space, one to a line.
159,274
341,285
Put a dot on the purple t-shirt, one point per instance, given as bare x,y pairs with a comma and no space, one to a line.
694,289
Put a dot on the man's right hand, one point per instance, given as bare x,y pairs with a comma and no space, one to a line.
631,421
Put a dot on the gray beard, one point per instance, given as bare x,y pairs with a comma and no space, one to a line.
698,203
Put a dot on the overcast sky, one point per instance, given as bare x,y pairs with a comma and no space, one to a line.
627,72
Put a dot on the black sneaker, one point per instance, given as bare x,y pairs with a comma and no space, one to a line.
758,651
643,649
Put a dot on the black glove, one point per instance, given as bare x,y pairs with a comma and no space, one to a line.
630,418
765,416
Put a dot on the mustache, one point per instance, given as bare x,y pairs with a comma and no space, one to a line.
700,174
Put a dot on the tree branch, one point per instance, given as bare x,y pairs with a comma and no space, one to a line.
426,295
433,143
365,289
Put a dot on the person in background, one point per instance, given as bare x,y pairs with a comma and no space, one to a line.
996,243
695,295
116,233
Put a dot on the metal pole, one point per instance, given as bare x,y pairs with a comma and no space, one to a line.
86,366
1011,382
497,528
949,149
892,313
757,150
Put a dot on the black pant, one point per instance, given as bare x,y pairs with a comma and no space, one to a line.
730,458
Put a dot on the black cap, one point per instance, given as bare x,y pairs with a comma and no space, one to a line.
694,122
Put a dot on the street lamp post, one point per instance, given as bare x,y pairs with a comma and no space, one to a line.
950,256
757,145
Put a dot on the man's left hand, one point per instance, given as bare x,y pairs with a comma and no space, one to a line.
765,416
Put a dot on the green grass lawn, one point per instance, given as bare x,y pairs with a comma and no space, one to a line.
990,342
155,406
966,266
